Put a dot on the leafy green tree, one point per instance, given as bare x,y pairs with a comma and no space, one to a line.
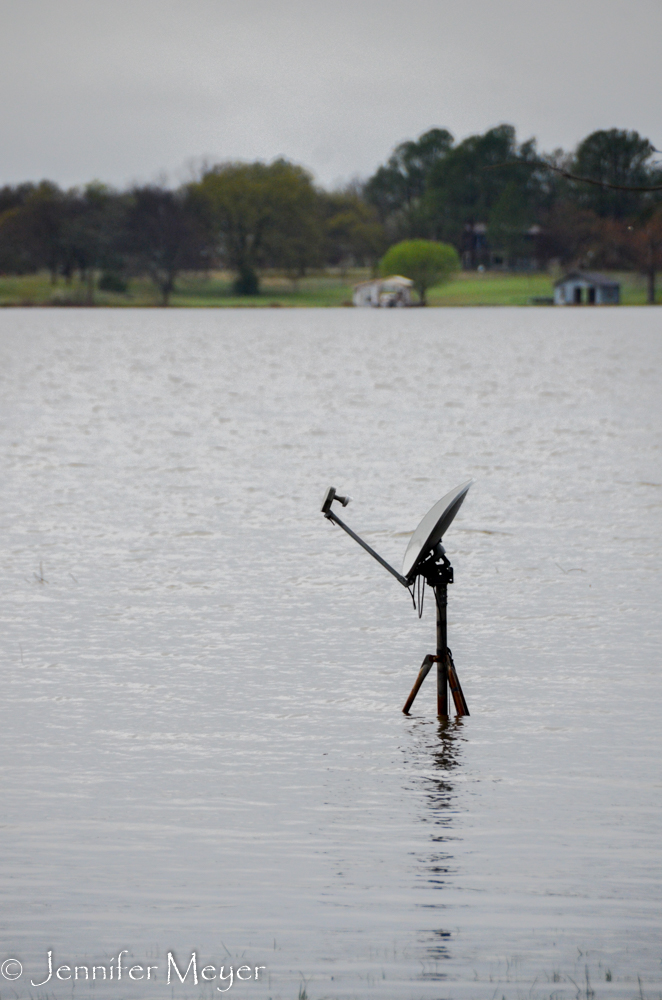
424,262
353,234
259,214
614,156
294,241
397,188
465,187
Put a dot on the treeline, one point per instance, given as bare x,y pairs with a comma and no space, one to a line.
499,203
242,217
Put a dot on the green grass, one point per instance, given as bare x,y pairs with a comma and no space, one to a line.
330,288
493,288
498,288
327,289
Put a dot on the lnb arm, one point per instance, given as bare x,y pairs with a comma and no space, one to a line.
332,516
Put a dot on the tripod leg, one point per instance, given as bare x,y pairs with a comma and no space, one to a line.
461,706
422,674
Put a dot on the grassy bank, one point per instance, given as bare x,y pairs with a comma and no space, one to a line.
324,289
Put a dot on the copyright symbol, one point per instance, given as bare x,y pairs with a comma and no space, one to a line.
11,968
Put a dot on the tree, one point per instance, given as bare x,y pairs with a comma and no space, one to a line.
614,156
619,245
294,239
259,213
18,253
397,188
352,230
466,185
424,262
569,234
507,224
91,232
31,232
14,197
163,237
650,251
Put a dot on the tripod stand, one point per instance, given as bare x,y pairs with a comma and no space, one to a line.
438,574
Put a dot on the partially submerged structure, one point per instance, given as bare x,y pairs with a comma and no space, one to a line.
392,291
424,563
586,288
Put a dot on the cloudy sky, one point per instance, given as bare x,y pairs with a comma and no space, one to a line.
141,90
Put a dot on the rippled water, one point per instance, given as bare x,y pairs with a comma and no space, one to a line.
202,742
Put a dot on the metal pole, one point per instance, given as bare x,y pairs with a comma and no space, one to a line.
332,516
441,600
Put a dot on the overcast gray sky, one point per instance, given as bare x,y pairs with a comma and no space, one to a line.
127,90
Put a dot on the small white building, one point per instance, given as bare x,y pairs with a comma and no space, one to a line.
582,287
392,291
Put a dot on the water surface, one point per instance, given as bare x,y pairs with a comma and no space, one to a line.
202,742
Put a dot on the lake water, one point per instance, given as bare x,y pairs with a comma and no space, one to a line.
203,748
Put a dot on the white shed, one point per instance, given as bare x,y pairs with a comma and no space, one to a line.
583,287
392,291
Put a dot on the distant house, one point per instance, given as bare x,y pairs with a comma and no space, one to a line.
392,291
583,287
525,252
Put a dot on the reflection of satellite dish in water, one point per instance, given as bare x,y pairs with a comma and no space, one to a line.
425,558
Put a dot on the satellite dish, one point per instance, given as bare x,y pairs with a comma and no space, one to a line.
425,562
432,529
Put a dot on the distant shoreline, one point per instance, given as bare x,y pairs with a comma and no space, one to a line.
326,289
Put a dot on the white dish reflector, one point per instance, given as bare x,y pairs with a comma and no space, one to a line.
432,528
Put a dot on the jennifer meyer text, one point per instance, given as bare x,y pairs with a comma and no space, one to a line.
118,968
